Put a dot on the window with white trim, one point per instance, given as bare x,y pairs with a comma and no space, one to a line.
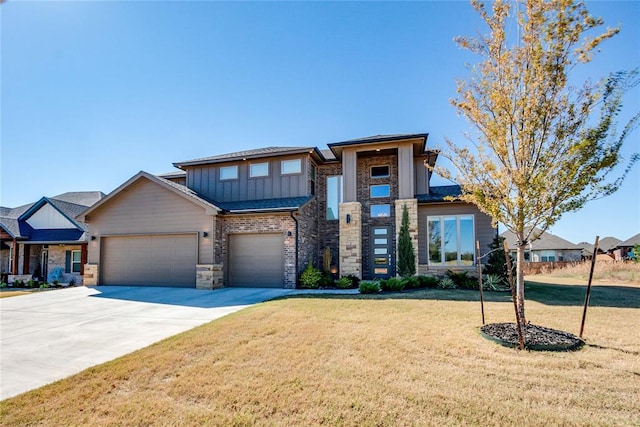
258,169
289,167
450,240
228,172
76,261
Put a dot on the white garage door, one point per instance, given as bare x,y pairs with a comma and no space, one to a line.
256,260
162,260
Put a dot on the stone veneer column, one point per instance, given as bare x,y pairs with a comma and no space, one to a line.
208,276
90,277
351,239
412,208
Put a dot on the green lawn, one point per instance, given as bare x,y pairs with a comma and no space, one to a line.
413,358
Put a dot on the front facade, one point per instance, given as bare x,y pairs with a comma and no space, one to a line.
258,217
44,241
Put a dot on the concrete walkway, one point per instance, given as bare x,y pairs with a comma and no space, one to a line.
47,336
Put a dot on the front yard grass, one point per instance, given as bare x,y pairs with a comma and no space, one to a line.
412,358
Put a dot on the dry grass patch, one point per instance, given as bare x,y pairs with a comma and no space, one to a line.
604,272
407,359
9,293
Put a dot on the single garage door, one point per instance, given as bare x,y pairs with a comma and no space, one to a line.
159,260
256,260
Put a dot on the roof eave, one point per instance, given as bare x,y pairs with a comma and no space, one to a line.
308,150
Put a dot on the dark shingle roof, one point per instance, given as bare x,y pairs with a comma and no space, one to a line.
83,198
631,241
439,193
240,155
283,204
545,241
380,138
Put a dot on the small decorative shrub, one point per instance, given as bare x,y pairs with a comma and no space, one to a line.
446,283
44,286
310,277
391,285
411,282
355,281
493,282
462,279
3,285
343,283
428,281
326,281
19,283
369,287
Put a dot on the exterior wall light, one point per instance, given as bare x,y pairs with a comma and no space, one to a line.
205,234
93,237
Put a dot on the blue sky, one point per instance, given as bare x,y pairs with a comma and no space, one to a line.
93,92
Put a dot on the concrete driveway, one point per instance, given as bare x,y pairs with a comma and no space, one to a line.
47,336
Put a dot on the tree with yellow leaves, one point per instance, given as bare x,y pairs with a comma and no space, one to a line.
541,146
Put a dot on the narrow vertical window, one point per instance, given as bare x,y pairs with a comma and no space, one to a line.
334,196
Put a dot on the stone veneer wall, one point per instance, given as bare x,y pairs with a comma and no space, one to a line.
412,208
328,237
351,239
57,258
263,223
365,163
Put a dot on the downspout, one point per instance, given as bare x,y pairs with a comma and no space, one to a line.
296,266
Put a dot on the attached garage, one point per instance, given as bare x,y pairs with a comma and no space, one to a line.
256,260
149,260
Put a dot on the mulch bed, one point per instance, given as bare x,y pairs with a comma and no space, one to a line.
535,337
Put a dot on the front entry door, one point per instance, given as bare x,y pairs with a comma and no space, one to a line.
381,248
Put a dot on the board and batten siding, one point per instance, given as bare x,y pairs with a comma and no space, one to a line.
146,207
205,180
484,232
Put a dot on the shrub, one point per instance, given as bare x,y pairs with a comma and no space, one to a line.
497,260
369,287
355,280
428,281
391,285
310,277
446,283
326,280
462,279
493,282
343,283
406,256
44,286
3,285
411,282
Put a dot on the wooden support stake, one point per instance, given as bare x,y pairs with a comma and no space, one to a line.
586,298
513,294
480,279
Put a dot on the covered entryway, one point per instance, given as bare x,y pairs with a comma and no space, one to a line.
149,260
256,260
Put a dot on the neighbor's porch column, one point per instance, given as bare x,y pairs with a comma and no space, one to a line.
16,254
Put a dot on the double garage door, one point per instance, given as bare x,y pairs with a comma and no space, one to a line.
153,260
254,260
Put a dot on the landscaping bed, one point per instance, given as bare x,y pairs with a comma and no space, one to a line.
535,337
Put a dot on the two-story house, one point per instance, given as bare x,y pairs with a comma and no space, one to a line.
258,217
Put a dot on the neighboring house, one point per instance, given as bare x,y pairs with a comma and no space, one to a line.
622,249
258,217
545,248
605,246
38,237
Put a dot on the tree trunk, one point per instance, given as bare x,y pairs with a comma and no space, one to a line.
520,280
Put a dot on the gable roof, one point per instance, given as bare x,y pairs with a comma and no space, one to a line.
545,241
249,154
176,188
631,241
604,245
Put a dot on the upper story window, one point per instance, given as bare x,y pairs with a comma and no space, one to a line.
258,169
383,190
228,172
380,211
334,196
380,171
291,166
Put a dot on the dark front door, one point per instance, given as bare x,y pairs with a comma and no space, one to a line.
381,248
